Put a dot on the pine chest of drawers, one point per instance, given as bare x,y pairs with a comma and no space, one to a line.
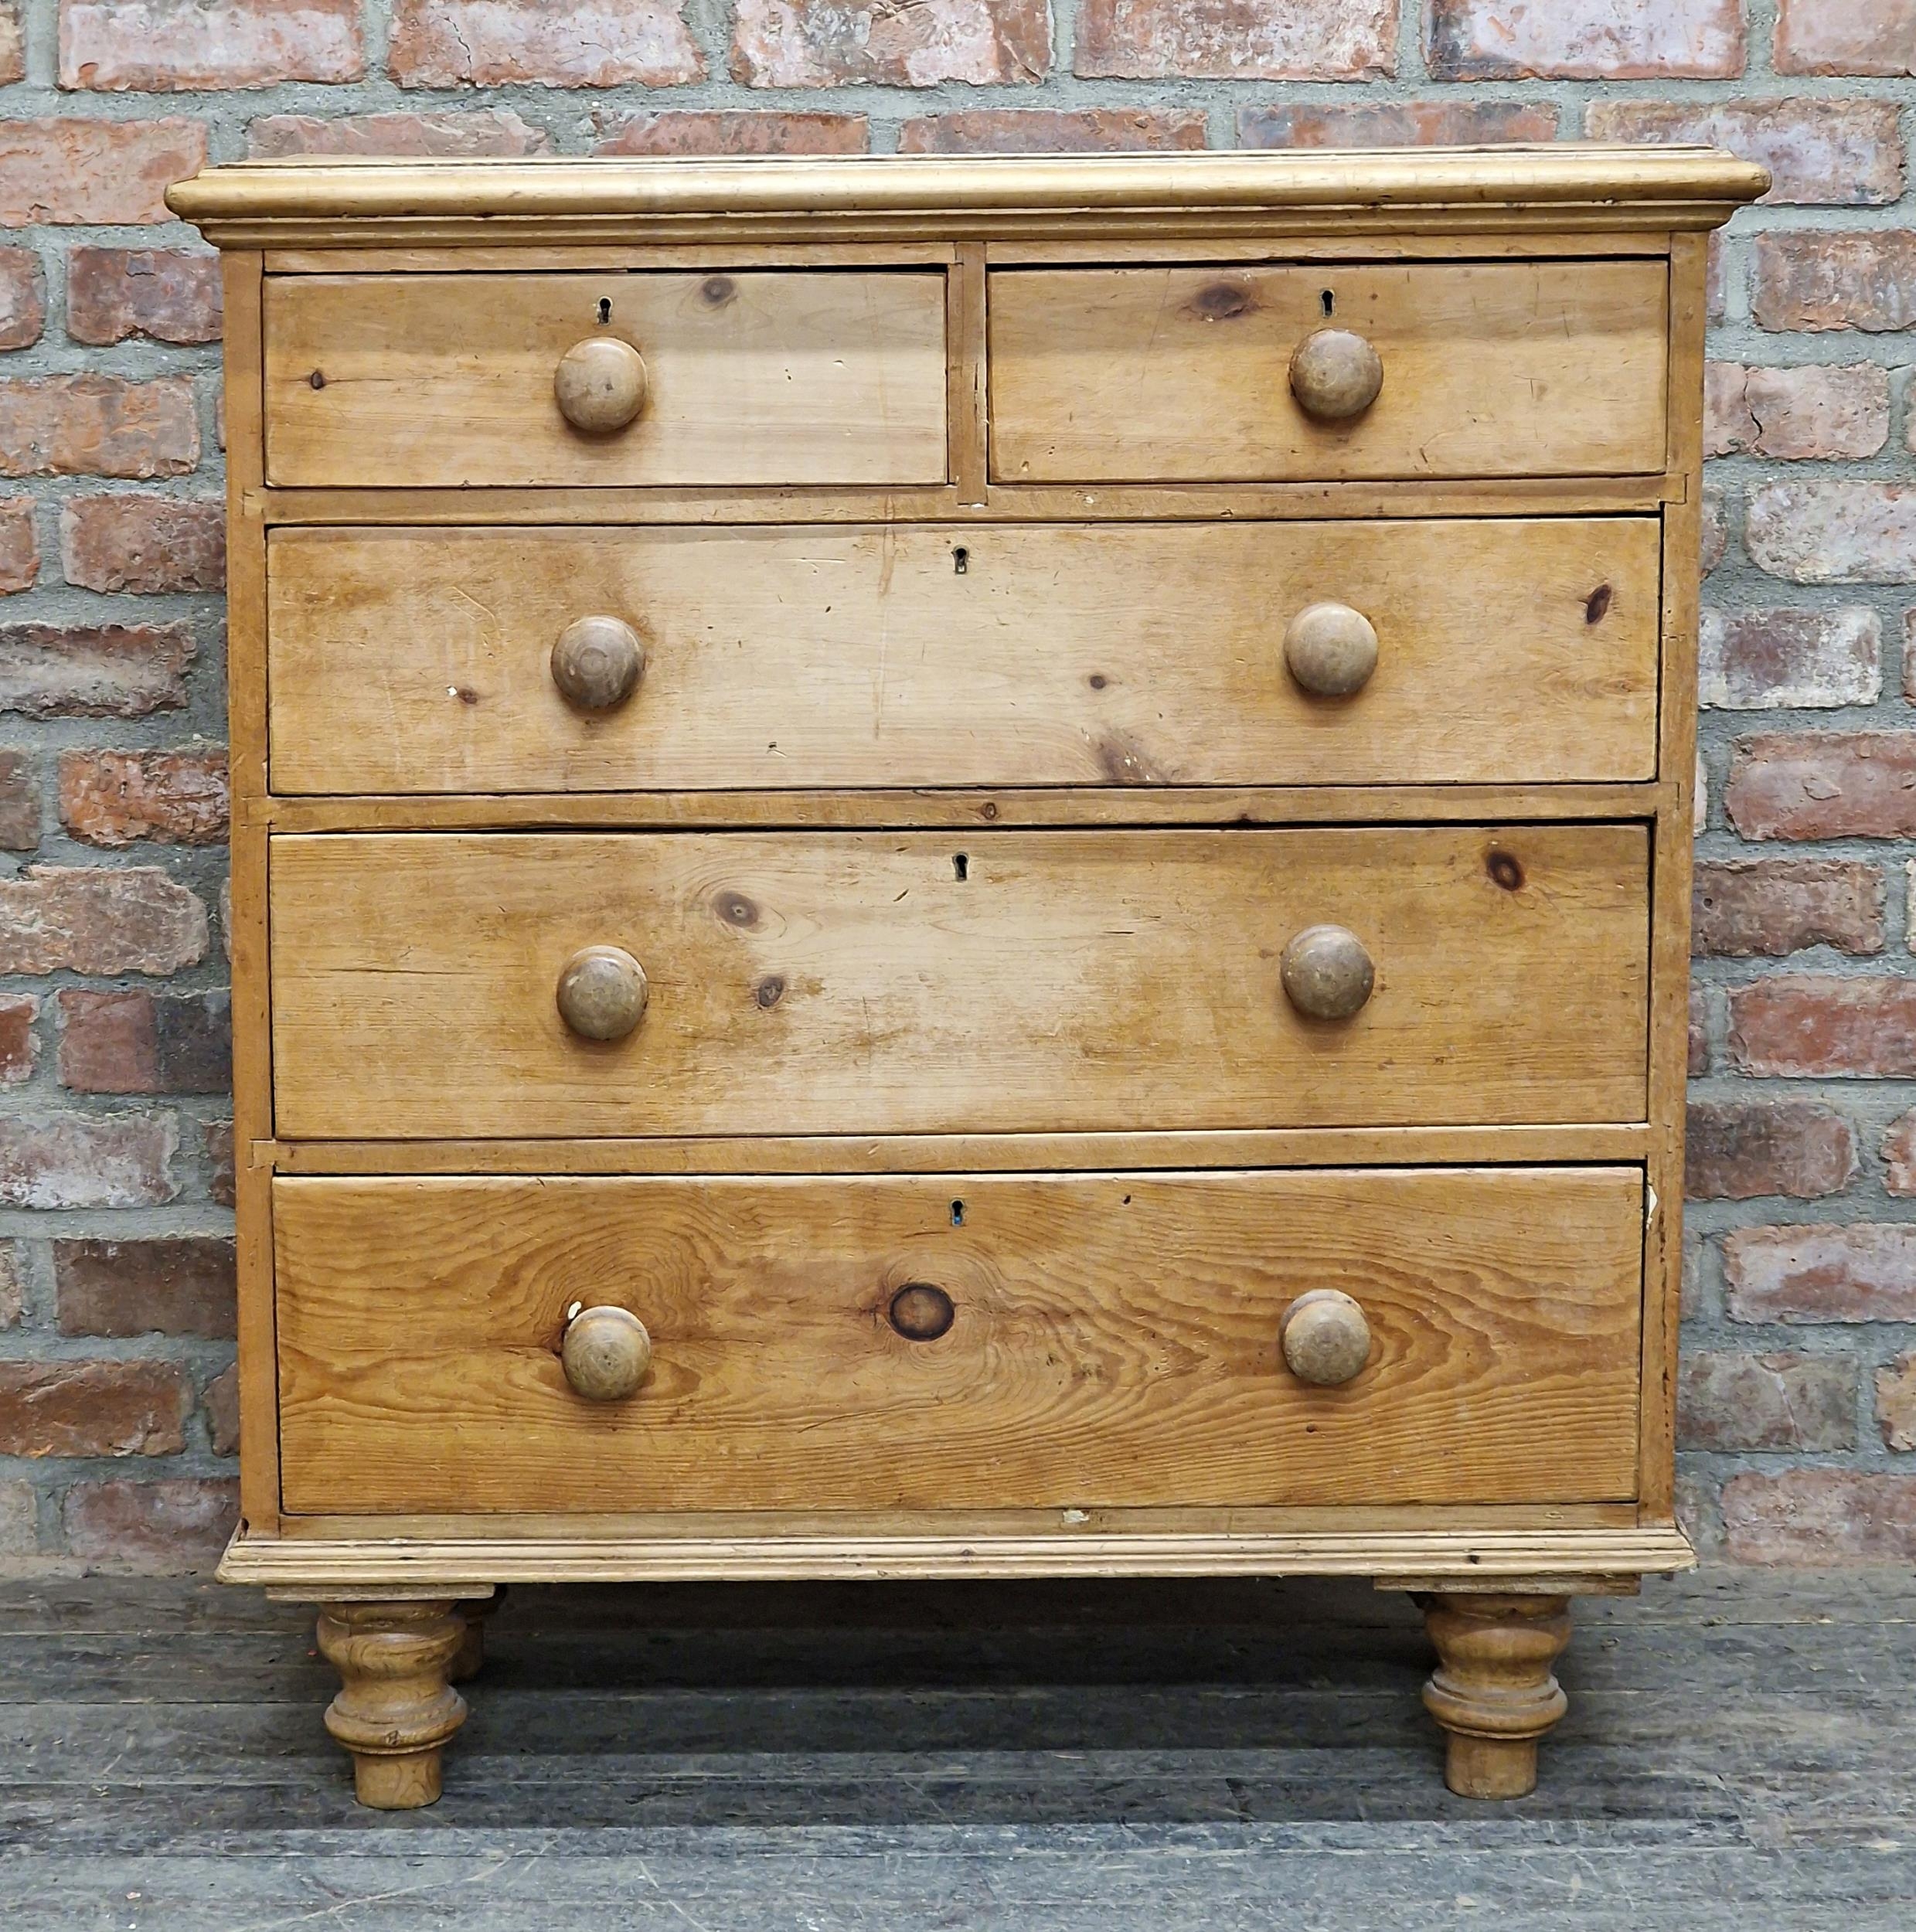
954,867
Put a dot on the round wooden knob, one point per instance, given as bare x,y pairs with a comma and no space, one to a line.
1324,1337
600,384
1331,649
598,662
602,993
1327,974
1334,375
605,1354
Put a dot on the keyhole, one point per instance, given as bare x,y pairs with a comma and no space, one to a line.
960,559
961,866
958,1214
605,309
1328,299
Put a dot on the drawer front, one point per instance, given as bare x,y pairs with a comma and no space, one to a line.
831,983
1546,368
422,660
1102,1341
747,379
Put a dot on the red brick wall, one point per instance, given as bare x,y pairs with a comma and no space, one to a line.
117,1419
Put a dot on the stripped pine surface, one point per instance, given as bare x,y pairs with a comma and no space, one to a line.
1740,1752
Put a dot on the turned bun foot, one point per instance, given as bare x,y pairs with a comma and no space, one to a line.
1493,1690
396,1708
472,1659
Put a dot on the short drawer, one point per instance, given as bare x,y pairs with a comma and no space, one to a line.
874,983
1542,368
744,379
450,660
953,1342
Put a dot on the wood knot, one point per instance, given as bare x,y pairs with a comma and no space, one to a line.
920,1311
1505,870
1597,603
1223,302
735,909
769,990
717,290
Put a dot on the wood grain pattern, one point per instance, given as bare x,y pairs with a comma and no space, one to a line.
1536,369
420,661
893,983
753,378
1115,1340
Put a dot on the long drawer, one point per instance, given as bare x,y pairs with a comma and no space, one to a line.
747,379
1508,650
1100,1340
838,983
1485,368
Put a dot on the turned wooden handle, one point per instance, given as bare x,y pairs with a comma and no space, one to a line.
1324,1337
1331,649
605,1354
1335,375
1327,974
598,662
602,993
600,384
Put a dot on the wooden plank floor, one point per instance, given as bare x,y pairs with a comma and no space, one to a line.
1741,1753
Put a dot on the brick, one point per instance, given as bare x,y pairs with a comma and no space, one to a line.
1768,660
149,545
1816,149
713,130
12,1284
1833,532
1896,1402
166,46
1824,784
558,43
1715,531
1816,1518
1846,36
130,1041
96,425
1855,1271
837,43
134,919
485,132
1699,1059
1396,123
1909,655
1743,1150
1236,39
111,798
1818,1026
178,1523
87,1160
1766,908
62,171
1044,131
220,1402
217,1139
91,1408
12,43
1584,40
19,803
22,298
19,1511
1857,278
17,1014
19,545
93,671
1728,1401
1818,412
1899,1156
181,1284
166,295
